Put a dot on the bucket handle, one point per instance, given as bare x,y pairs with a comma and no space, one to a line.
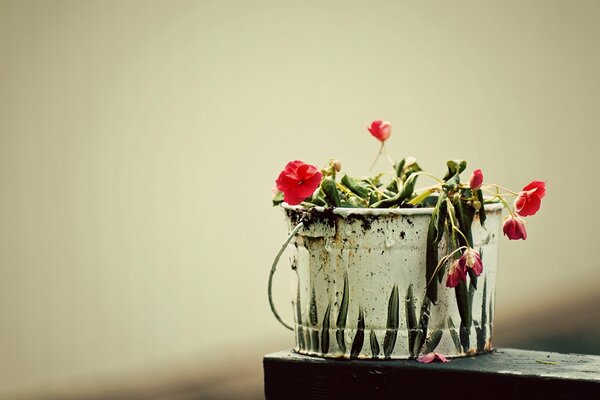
274,267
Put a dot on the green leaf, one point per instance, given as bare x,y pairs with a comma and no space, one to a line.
464,214
409,170
393,319
408,188
341,319
421,198
470,322
455,167
472,289
433,341
399,167
325,331
411,319
374,344
434,234
392,187
462,301
357,187
387,203
373,180
423,326
441,228
278,198
430,201
482,215
352,202
317,198
454,335
359,339
330,190
374,198
452,184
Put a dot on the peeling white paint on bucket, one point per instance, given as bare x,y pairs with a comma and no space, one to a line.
353,267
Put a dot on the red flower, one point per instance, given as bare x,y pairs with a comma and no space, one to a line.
381,130
456,274
514,228
430,357
476,179
530,198
298,181
471,259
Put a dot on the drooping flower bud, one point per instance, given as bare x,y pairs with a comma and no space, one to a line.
514,228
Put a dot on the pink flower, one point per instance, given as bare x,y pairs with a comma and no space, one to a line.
476,179
514,228
298,181
471,259
431,357
456,274
530,198
381,130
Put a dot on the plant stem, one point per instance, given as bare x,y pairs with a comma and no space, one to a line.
429,175
444,260
503,188
499,197
375,188
377,158
384,151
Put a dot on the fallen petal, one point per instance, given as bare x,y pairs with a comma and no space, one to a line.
431,357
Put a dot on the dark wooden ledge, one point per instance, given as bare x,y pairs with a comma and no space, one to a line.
507,373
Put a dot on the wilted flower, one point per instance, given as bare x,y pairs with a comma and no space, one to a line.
298,181
336,164
456,274
514,228
476,180
381,130
530,198
471,259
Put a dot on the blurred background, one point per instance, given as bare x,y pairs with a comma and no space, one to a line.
140,140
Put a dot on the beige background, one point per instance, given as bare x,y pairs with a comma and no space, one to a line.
139,142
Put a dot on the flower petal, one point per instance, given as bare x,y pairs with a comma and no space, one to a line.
538,186
430,357
298,181
527,204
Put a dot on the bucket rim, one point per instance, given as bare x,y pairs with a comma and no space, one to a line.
341,211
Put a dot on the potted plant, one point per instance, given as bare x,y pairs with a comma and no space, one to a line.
386,270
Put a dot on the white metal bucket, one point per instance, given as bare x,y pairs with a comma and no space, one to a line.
359,285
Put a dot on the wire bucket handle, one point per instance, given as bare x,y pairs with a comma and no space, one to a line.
274,267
